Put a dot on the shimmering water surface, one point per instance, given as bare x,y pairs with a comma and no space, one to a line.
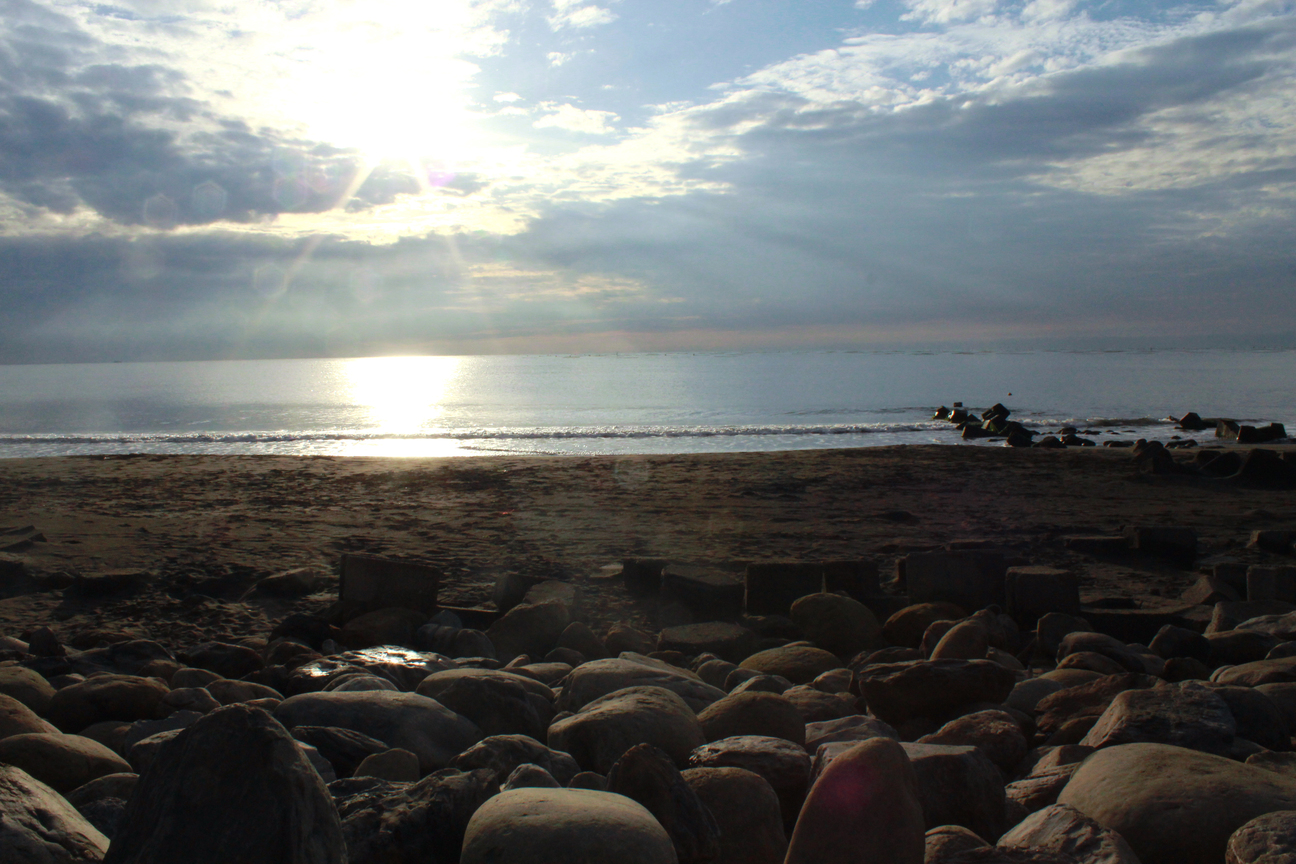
616,404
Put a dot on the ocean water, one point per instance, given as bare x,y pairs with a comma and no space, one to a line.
619,404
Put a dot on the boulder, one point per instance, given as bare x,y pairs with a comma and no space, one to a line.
62,762
715,672
1267,839
530,628
439,682
834,681
814,705
784,765
864,807
343,748
601,677
1040,789
1171,641
225,659
1026,695
1065,830
647,775
944,842
1185,715
1052,628
407,720
1234,647
396,765
958,785
228,692
528,776
498,706
1282,695
897,692
707,595
730,642
605,728
576,826
1085,700
1172,804
502,754
579,637
107,697
27,686
840,625
799,664
142,753
752,714
993,732
190,699
1278,670
234,786
746,810
414,823
17,719
623,637
906,627
1101,643
38,826
856,727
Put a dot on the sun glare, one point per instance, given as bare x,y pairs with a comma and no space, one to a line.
403,394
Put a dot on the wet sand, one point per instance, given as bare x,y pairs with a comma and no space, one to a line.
200,530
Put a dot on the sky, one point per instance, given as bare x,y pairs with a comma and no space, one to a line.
184,179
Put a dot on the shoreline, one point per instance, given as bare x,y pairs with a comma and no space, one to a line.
207,527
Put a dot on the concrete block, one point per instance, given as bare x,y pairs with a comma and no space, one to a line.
1031,592
970,579
372,582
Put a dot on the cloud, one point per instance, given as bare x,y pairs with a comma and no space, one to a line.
575,14
573,119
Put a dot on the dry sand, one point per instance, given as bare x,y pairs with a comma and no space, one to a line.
202,529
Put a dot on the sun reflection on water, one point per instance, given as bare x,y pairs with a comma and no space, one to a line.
403,395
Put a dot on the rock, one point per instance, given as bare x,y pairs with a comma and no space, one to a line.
1171,641
38,826
17,719
421,822
1065,830
864,807
731,642
746,809
623,637
223,658
1172,804
715,672
187,676
1085,700
840,625
142,753
856,727
1209,590
528,776
434,685
1267,839
1283,695
602,730
229,692
897,692
771,587
1256,717
945,841
1030,592
539,826
530,629
62,762
1227,616
392,625
1176,545
107,786
1092,662
1185,715
1185,669
1279,670
1041,789
601,677
752,714
958,785
343,748
799,664
1234,647
259,799
1052,628
190,699
106,697
995,733
105,814
554,590
906,627
749,681
966,640
294,583
1026,695
834,681
647,775
396,765
406,720
502,754
27,686
1101,643
709,595
784,765
815,705
496,705
579,637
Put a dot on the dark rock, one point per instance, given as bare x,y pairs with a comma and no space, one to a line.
259,800
646,774
731,642
1234,647
971,579
708,594
38,825
502,754
530,629
1177,545
1085,700
840,625
226,660
106,697
602,730
958,785
799,664
897,692
815,705
1278,670
345,749
1267,839
1172,641
856,727
1032,592
752,714
27,686
62,762
497,706
1066,831
771,587
905,627
784,765
601,677
1101,643
995,733
1257,717
746,809
1209,590
1186,715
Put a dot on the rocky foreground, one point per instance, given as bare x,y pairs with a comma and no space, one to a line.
941,734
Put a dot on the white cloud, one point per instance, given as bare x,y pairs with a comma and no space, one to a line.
574,14
574,119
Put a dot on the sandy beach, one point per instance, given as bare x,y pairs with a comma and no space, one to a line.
197,532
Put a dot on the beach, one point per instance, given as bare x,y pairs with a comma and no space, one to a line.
192,534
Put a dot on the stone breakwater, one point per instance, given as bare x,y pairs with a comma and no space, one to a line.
911,725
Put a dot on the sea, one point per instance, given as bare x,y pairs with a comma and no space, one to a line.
620,404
